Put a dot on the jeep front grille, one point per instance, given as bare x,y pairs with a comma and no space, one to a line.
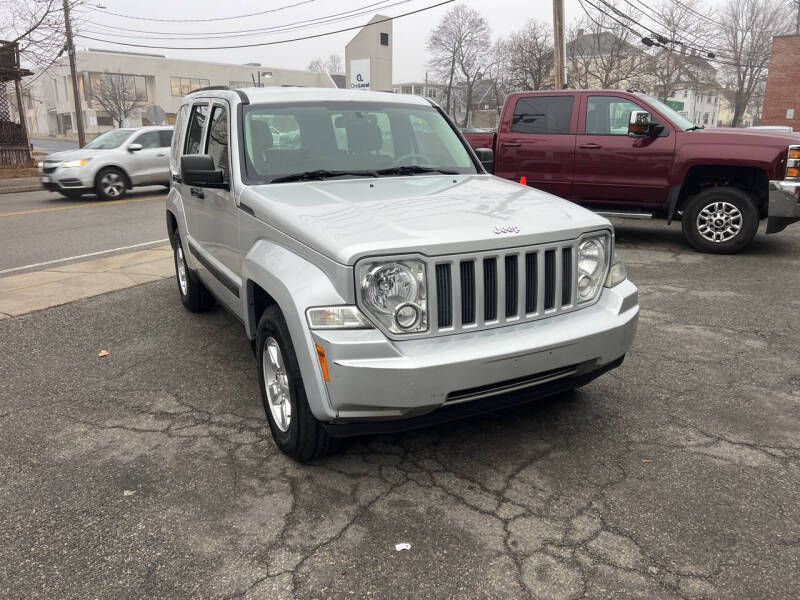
488,289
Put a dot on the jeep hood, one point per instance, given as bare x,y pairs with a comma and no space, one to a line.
348,219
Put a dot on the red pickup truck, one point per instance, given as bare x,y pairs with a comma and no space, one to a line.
629,155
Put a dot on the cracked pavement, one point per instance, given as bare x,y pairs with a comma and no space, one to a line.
150,472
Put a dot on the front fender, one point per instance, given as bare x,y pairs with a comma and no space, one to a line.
174,205
295,284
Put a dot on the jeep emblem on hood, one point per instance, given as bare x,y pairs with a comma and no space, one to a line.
506,229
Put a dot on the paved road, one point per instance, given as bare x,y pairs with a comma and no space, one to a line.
38,227
150,472
50,145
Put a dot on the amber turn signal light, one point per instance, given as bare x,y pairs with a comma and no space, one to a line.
794,153
793,172
323,362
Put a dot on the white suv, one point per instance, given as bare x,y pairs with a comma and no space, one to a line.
110,164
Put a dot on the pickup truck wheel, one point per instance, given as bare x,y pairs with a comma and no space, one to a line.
110,184
720,220
294,428
193,293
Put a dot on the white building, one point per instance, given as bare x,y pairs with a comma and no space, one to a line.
699,106
433,91
159,82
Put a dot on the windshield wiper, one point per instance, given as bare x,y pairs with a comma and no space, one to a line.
696,127
413,169
320,174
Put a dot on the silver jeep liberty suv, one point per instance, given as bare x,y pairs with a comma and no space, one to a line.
386,280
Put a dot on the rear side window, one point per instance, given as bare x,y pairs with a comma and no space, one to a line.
194,138
180,128
217,147
542,114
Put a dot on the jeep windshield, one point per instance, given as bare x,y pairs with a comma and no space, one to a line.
326,140
110,139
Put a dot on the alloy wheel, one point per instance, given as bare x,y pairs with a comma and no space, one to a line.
112,184
276,382
719,221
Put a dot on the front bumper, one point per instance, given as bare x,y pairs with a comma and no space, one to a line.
375,379
75,178
784,205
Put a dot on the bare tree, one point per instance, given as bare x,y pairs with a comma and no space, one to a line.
746,31
603,52
37,26
678,60
530,62
460,53
334,64
117,95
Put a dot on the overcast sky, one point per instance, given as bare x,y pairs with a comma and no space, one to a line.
504,16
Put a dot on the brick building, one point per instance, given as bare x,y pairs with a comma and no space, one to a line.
782,96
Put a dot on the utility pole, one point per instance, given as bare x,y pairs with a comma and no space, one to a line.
74,77
559,47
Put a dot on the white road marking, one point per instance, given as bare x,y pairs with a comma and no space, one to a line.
98,253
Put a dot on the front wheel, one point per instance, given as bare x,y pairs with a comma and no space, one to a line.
294,428
110,184
720,220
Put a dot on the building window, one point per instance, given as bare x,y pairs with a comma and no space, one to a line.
406,89
104,121
431,93
384,39
180,86
790,113
418,90
705,118
133,84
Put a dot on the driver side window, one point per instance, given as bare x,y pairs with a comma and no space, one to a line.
609,115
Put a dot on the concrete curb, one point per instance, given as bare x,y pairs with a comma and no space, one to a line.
38,290
17,190
20,184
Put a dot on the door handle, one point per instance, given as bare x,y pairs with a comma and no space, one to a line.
590,146
161,154
197,193
511,144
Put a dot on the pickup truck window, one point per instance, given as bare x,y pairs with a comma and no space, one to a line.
542,114
672,114
348,139
609,115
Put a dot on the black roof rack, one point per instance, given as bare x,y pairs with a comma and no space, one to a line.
242,96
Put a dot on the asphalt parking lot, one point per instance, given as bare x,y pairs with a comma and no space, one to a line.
150,472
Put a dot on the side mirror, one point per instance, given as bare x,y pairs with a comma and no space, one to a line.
486,156
197,170
134,147
641,125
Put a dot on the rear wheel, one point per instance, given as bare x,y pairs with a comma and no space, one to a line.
720,220
294,428
193,293
111,184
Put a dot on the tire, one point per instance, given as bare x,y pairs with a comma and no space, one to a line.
720,220
191,290
110,184
70,194
295,430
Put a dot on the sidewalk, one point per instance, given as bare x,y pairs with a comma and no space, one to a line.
19,184
29,292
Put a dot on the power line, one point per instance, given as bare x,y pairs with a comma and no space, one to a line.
296,25
297,39
374,6
252,14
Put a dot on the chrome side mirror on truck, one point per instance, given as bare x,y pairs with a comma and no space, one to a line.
642,125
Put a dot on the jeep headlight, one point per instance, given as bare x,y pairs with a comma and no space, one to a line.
617,273
395,294
592,266
75,163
